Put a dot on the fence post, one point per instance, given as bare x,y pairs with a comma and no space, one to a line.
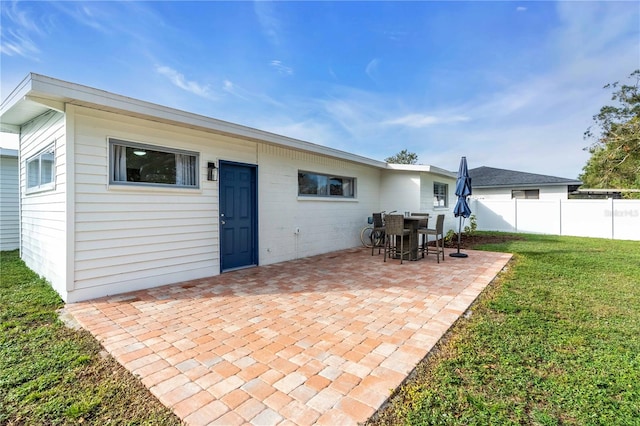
560,212
613,219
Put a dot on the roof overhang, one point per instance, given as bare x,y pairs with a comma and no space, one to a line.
605,190
525,185
37,94
425,168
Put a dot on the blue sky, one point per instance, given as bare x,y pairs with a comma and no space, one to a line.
507,84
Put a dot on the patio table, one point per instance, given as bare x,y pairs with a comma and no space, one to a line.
411,240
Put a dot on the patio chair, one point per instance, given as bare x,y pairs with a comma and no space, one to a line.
423,224
394,235
377,235
424,219
438,232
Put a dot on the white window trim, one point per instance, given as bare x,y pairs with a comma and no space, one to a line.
328,197
130,144
446,195
49,186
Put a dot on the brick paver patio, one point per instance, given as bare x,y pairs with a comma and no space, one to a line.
320,340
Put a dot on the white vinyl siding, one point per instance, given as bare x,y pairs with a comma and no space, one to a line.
43,214
133,237
9,202
129,237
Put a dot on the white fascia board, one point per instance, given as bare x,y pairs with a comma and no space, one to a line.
525,185
607,190
11,102
16,95
422,168
53,89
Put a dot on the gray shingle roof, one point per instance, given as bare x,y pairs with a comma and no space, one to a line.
489,177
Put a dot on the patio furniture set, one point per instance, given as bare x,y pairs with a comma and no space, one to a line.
404,236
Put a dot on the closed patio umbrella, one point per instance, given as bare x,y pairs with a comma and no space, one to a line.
462,209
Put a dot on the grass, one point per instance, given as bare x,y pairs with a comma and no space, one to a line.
53,375
555,341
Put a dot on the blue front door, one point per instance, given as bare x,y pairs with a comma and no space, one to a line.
238,216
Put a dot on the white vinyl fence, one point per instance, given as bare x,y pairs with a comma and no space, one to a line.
616,219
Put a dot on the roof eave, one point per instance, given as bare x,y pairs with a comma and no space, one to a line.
526,185
19,108
422,168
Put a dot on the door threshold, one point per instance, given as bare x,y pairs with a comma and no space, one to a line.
238,268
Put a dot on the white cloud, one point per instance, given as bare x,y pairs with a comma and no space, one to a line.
421,120
17,43
396,35
281,68
90,16
21,17
254,99
17,40
306,130
268,21
352,111
372,68
521,9
190,86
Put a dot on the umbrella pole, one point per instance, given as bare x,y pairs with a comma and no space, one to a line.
458,254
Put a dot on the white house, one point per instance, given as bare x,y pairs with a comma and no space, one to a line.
501,184
120,194
419,188
9,200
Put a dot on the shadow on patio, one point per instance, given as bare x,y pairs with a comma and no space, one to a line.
319,340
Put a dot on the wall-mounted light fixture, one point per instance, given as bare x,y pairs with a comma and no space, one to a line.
212,171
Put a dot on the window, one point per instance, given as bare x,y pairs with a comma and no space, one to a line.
138,164
41,170
440,191
316,184
528,194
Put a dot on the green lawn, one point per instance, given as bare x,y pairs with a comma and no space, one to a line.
555,341
52,375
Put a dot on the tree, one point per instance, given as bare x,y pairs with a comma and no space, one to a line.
615,152
403,157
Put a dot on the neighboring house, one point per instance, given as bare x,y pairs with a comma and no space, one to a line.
118,194
501,184
9,200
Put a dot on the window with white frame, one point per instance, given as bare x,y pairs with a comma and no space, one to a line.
527,194
323,185
440,191
41,170
138,164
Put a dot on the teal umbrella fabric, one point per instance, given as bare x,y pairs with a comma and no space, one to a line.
463,190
